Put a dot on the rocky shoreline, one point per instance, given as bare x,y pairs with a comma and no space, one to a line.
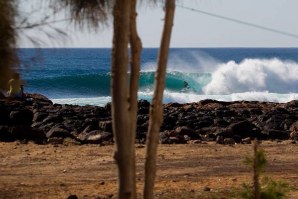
41,121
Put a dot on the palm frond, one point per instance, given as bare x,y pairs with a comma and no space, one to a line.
92,13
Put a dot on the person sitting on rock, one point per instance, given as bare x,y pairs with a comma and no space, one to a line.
16,87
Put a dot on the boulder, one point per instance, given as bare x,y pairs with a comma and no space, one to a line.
229,141
277,134
143,103
207,101
177,140
4,116
184,130
256,111
287,123
237,138
294,135
90,128
294,126
95,137
169,122
20,132
21,117
194,142
38,97
246,140
201,122
220,122
143,111
53,118
164,137
292,104
45,127
37,135
106,126
210,137
91,121
224,132
55,140
141,137
219,139
39,116
58,132
108,107
275,122
243,129
294,131
5,134
143,127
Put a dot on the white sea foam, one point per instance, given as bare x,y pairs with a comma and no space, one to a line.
97,101
247,96
188,97
254,75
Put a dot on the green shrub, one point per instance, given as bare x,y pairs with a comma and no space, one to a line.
267,188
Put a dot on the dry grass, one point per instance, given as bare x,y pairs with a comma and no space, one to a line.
184,171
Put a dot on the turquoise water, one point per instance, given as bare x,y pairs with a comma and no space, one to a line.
82,76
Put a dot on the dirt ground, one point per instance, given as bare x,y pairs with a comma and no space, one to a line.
184,171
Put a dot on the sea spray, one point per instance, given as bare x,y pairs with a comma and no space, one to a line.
254,75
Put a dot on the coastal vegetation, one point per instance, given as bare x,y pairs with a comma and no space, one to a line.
124,96
264,188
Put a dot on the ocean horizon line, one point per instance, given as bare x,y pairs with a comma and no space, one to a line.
257,47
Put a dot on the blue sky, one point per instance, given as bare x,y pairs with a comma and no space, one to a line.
192,29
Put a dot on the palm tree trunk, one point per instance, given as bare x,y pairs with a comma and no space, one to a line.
156,111
135,62
9,59
125,150
136,48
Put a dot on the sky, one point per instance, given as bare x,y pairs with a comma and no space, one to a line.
191,29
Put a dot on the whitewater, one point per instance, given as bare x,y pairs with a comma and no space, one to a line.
81,76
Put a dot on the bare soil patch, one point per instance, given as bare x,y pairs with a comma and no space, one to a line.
184,171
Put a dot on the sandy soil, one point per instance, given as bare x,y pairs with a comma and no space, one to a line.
184,171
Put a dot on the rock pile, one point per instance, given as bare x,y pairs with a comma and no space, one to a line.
40,120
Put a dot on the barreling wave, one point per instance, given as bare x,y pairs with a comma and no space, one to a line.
99,84
176,81
82,85
250,79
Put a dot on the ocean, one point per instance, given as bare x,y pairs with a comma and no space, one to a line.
82,76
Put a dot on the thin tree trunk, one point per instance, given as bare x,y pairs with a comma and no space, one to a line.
156,111
135,62
256,172
136,48
124,154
